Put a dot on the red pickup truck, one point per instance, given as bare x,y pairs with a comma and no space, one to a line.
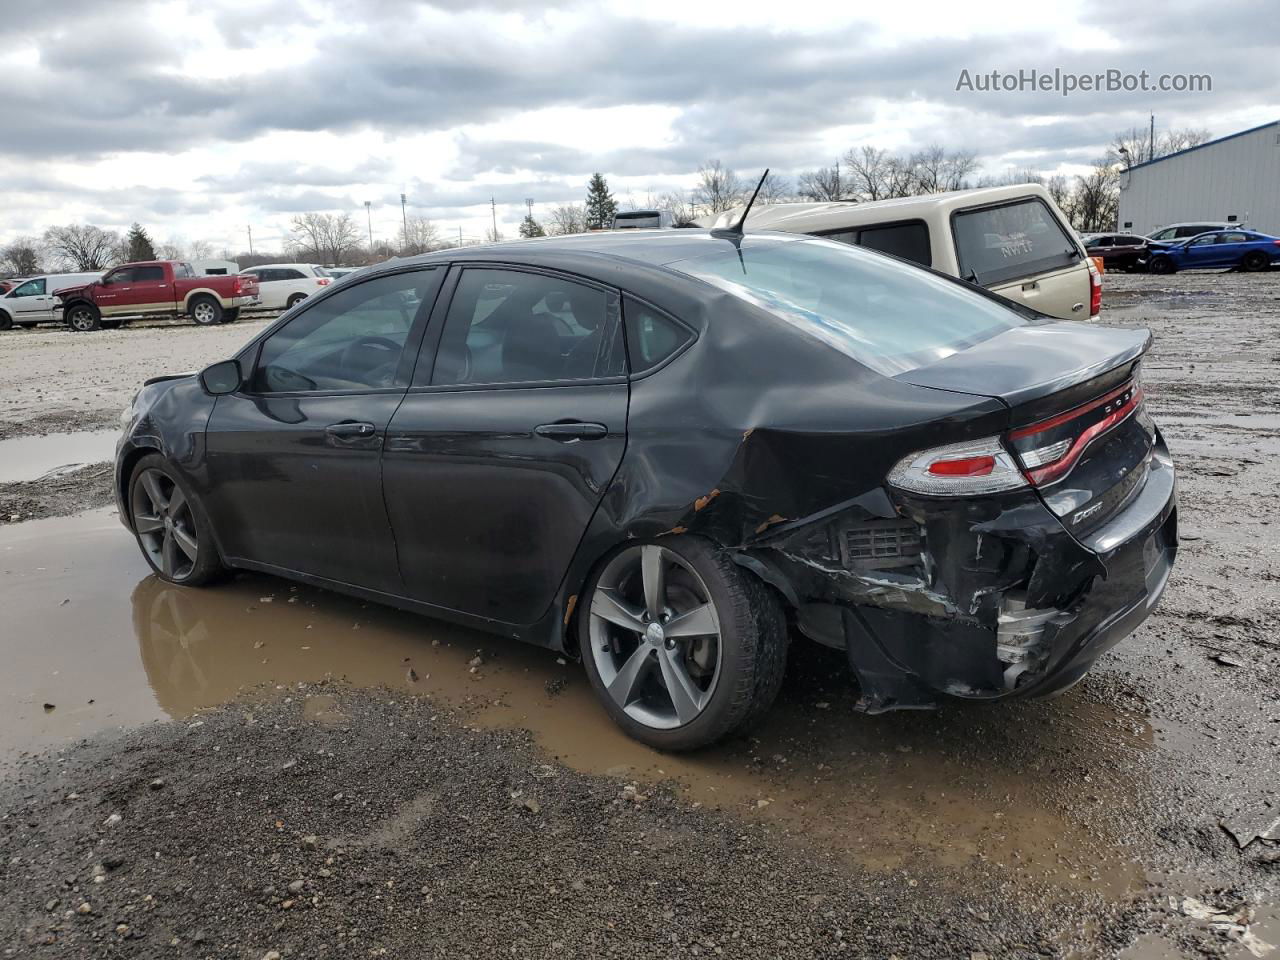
156,288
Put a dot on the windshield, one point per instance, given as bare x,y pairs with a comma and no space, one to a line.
886,314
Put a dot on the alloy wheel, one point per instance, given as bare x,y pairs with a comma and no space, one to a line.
165,525
655,637
203,312
81,319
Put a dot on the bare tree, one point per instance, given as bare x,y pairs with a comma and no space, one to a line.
567,218
875,174
1096,198
825,183
677,204
419,235
774,189
492,235
935,169
82,246
21,258
326,237
1136,145
718,188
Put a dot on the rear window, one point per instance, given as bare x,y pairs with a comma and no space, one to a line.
651,336
887,315
995,244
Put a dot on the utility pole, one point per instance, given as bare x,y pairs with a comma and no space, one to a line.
459,235
1151,151
250,228
368,212
528,202
404,237
493,209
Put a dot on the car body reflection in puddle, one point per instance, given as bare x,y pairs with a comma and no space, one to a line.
1034,787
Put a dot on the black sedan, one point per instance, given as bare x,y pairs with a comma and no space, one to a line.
659,450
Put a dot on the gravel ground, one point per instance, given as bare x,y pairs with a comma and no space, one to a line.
1076,827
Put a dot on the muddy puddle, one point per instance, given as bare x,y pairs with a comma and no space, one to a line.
90,641
30,458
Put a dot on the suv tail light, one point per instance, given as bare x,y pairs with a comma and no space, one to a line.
1095,291
1050,448
959,470
323,281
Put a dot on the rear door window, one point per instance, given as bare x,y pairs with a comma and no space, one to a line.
652,336
148,274
516,326
1013,240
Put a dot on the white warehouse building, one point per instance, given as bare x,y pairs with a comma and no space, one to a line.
1234,179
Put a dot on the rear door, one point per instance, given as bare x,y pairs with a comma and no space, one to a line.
505,443
294,458
1021,250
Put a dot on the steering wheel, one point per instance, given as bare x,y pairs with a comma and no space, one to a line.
373,372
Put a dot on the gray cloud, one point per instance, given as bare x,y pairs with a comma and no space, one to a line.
749,95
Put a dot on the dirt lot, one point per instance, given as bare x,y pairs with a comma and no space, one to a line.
482,808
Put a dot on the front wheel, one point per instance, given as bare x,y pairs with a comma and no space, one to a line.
206,311
171,525
681,644
1254,261
84,318
1162,265
293,301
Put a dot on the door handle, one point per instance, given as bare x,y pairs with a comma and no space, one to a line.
348,429
572,431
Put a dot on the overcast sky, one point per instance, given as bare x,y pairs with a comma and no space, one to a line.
198,119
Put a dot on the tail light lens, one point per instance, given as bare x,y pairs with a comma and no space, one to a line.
235,287
959,470
1049,449
1095,291
322,281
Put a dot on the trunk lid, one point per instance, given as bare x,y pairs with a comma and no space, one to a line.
1077,423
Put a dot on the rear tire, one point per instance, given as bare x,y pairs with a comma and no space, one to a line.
83,317
1254,261
170,525
727,674
6,321
1162,265
205,311
294,300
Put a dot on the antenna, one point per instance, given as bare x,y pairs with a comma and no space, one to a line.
736,230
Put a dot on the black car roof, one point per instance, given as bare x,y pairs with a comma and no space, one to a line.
654,247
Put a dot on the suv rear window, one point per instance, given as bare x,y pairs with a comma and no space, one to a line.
995,244
888,316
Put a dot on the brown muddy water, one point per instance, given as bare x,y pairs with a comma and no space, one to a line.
30,458
91,641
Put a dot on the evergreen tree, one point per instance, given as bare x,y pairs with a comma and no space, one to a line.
600,204
530,227
138,245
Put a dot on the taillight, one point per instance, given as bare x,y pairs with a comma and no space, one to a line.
959,470
235,287
322,281
1095,291
1049,449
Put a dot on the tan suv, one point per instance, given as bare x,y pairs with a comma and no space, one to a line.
1012,240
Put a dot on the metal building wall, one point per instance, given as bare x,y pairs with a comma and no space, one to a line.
1238,175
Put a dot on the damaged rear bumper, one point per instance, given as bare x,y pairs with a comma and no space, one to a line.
986,600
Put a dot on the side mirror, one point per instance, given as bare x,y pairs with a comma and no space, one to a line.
221,378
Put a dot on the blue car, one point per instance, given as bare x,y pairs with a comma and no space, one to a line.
1246,249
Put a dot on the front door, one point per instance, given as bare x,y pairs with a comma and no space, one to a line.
505,444
30,302
1205,251
294,458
